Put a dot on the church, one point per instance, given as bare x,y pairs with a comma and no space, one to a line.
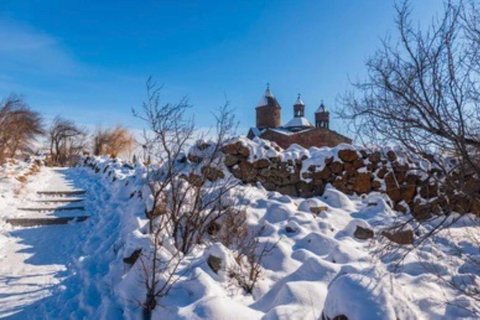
298,130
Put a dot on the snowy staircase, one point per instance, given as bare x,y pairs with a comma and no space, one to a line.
52,208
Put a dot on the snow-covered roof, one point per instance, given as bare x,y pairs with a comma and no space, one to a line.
321,108
299,101
298,122
257,132
264,99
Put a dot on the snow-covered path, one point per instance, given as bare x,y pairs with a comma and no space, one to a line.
35,261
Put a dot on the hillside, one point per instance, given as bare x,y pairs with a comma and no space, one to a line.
332,252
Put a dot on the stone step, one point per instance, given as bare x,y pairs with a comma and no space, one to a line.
41,209
44,221
60,200
61,193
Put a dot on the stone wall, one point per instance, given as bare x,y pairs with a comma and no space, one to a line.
350,170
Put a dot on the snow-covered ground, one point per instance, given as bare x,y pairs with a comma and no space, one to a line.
318,265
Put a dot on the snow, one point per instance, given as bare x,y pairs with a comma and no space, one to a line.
298,122
318,266
264,99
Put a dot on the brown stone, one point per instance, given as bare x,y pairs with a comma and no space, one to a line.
230,149
336,167
289,190
317,210
382,172
347,155
408,192
401,237
359,163
421,211
328,160
261,163
215,263
428,191
391,155
476,207
401,208
363,233
363,183
247,171
351,170
325,174
231,160
242,150
375,157
376,185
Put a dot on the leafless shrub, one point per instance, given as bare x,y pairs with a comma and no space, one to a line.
113,141
19,126
189,192
66,140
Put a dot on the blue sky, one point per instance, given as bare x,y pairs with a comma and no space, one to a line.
90,61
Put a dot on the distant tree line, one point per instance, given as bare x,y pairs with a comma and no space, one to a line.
21,127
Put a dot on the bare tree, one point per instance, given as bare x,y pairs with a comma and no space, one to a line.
19,126
113,141
423,94
66,139
188,190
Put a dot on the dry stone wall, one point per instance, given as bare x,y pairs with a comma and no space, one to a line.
410,182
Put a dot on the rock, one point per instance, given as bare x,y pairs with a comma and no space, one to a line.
391,155
241,149
269,186
363,183
376,185
348,155
133,257
336,167
304,189
375,157
289,229
408,192
359,163
288,190
212,174
401,237
325,174
401,208
393,190
351,170
317,210
363,233
261,163
215,263
247,171
231,160
382,172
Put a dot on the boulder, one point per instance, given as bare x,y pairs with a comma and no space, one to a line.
133,257
401,237
336,167
347,155
231,160
363,233
363,183
215,263
391,155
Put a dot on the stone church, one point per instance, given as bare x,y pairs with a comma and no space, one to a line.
298,130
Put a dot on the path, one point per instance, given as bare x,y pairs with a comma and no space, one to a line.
35,260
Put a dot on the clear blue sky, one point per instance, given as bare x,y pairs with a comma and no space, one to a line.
89,60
